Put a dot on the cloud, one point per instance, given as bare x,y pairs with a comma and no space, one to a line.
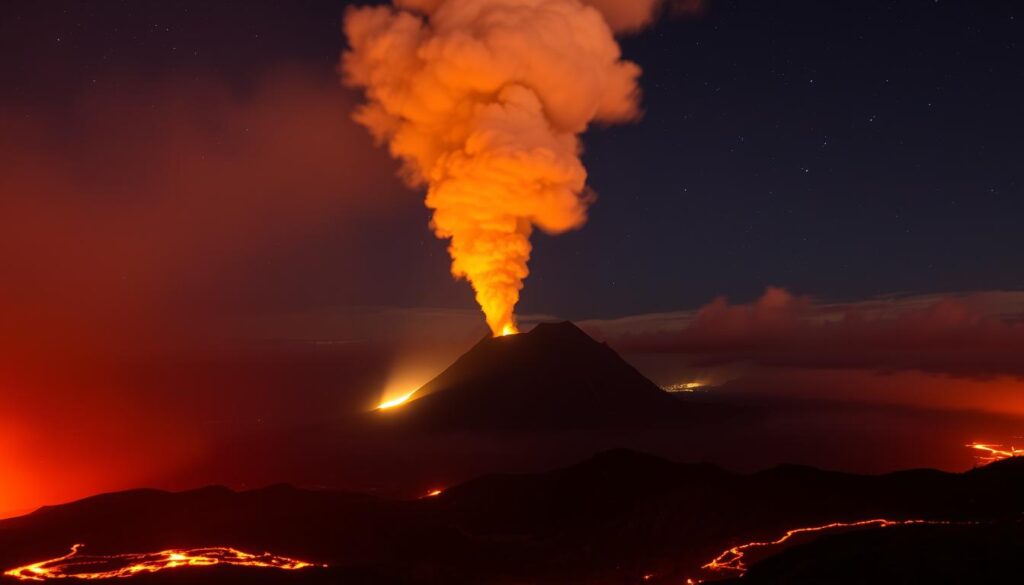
627,16
621,15
973,335
484,103
691,7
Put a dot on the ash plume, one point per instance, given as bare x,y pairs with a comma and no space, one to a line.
483,101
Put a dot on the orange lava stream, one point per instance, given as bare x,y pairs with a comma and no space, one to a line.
78,566
396,402
732,558
991,453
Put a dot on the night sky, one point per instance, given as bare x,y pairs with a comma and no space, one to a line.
182,182
838,151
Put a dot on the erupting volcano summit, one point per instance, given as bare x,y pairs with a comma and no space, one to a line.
553,377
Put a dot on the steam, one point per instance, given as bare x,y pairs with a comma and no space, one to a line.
483,101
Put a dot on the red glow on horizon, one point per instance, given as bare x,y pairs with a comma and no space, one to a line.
77,566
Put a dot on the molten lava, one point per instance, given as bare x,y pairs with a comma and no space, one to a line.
731,559
78,566
509,329
989,453
687,387
396,401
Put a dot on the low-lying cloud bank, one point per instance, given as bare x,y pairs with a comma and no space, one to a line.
978,335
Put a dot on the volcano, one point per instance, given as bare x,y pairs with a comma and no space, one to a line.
554,377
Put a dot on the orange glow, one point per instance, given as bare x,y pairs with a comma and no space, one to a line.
407,377
77,566
434,493
493,134
509,329
731,560
687,387
989,453
394,402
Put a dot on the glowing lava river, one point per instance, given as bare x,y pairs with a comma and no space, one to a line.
732,560
989,453
78,566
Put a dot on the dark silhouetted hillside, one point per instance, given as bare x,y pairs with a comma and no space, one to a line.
975,554
553,378
610,519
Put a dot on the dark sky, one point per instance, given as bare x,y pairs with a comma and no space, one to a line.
839,150
181,170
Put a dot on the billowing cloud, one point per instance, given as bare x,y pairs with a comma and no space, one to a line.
628,16
621,15
483,101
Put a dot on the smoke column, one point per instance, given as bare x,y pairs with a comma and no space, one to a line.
483,101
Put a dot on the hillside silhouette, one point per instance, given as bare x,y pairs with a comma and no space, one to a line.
611,519
961,553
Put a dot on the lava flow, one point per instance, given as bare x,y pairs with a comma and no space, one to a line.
78,566
394,402
989,453
732,559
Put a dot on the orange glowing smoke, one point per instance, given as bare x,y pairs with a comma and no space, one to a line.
731,560
77,566
992,453
484,102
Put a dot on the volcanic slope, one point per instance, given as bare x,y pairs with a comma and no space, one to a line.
554,377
